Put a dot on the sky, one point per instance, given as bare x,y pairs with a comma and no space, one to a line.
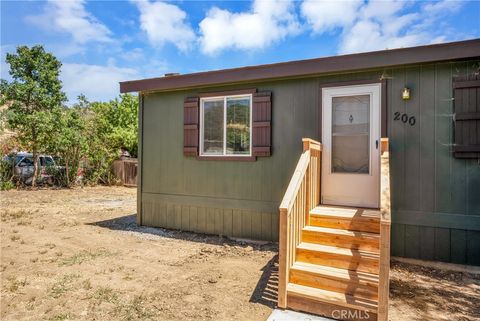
101,43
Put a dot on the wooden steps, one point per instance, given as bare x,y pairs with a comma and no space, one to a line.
333,260
341,238
336,268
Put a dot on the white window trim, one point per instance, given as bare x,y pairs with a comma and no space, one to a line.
202,100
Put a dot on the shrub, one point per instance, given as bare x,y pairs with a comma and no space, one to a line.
5,186
59,176
7,174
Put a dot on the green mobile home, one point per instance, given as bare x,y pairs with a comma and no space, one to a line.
344,160
435,190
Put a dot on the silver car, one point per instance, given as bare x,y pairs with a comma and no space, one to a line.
23,167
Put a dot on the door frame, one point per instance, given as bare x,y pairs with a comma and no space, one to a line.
383,106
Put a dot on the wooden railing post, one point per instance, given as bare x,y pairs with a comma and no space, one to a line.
282,259
318,186
385,231
306,146
313,175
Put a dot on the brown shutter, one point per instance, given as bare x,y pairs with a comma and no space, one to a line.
261,123
190,126
467,116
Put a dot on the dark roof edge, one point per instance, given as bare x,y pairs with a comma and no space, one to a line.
368,60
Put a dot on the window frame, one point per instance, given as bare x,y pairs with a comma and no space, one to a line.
201,127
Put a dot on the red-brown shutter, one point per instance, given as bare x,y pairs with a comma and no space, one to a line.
467,116
261,123
190,126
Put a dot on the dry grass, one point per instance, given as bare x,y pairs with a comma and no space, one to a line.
14,284
63,285
103,294
61,317
86,255
85,259
14,238
78,255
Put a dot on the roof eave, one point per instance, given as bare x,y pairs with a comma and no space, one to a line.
302,68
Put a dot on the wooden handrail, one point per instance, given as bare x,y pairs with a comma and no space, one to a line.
295,182
301,196
385,222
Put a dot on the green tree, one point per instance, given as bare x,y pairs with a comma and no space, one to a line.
69,139
34,92
112,126
116,121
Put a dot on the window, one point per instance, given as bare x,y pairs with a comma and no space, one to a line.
46,161
27,161
351,134
225,126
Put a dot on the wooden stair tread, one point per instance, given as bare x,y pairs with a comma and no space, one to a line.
347,212
346,218
337,273
330,230
341,237
337,250
362,285
331,297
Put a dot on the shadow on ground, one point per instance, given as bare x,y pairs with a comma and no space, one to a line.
128,224
266,290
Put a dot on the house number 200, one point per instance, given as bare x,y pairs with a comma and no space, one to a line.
404,118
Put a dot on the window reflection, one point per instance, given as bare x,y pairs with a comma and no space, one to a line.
238,126
350,134
213,127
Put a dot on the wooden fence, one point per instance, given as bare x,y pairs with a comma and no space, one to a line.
126,171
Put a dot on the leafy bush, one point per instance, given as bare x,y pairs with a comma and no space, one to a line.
59,176
89,136
99,170
112,126
68,143
115,122
5,186
7,174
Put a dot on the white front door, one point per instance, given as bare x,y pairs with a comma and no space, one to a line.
351,145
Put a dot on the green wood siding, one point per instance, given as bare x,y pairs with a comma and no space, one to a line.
238,199
435,197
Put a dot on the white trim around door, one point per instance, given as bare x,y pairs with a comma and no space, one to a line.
351,145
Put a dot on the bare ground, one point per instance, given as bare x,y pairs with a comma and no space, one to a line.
78,255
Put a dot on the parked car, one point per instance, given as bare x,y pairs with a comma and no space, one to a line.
23,167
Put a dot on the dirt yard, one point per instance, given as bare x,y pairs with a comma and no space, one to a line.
78,255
